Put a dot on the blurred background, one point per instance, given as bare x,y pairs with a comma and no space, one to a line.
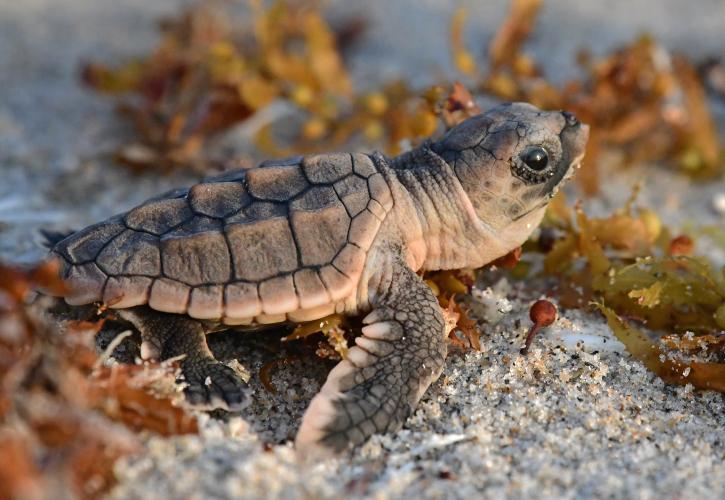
61,138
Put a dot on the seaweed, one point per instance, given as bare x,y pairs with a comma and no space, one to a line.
333,327
205,76
702,375
642,101
66,417
620,257
628,262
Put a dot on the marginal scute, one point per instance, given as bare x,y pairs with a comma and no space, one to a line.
262,249
276,183
363,229
380,191
217,199
197,259
258,210
86,284
327,168
363,165
206,302
242,300
278,295
377,209
84,245
270,319
157,217
126,291
131,253
337,284
169,296
350,261
310,289
320,234
230,321
311,314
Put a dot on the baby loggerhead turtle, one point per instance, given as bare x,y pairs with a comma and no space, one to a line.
298,239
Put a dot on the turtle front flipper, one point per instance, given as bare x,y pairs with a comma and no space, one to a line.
209,384
400,353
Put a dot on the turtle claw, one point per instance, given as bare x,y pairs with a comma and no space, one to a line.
211,385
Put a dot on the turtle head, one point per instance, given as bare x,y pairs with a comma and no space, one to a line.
511,161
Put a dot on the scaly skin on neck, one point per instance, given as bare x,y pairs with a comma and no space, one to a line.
436,218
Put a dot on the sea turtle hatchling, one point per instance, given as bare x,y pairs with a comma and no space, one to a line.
298,239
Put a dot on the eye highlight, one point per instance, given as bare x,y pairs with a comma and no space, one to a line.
536,158
534,164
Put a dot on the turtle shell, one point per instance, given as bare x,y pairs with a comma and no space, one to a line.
286,240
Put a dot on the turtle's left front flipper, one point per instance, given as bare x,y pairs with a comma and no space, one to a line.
400,353
209,384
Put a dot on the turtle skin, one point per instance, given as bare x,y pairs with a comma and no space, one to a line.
285,241
298,239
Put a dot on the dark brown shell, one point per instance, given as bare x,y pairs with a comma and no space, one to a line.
290,235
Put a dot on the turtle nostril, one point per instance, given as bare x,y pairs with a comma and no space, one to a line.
571,120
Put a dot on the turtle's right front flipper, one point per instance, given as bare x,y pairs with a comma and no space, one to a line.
401,352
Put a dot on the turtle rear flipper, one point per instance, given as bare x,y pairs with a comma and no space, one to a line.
208,383
401,352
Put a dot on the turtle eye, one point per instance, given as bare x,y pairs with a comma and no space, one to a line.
536,158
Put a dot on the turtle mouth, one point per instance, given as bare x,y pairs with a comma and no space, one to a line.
536,207
574,137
